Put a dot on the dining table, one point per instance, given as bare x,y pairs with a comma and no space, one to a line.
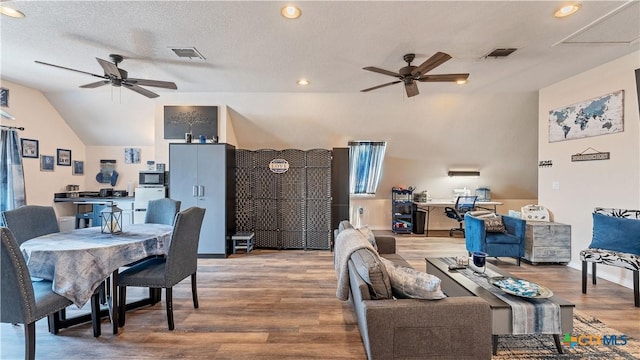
77,262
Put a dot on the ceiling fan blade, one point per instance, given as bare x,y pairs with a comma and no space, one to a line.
66,68
379,86
95,84
412,89
381,71
444,77
110,68
139,90
431,63
155,83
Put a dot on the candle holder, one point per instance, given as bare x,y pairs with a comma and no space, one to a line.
111,217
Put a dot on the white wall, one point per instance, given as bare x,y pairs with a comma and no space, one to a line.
43,123
589,184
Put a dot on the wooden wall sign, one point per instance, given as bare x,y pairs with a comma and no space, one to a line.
597,155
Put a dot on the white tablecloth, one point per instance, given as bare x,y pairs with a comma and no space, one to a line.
78,261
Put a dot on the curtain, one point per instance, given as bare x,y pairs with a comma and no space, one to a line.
12,193
365,166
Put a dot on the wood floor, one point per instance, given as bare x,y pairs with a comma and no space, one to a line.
281,305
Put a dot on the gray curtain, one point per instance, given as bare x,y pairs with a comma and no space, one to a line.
12,193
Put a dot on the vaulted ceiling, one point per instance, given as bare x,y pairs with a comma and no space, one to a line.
250,48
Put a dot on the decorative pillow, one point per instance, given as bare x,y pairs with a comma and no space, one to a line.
364,230
478,213
616,234
493,223
409,283
373,272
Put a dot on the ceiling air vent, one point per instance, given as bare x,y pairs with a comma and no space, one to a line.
496,53
187,52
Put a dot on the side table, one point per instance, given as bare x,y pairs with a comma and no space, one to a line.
548,242
242,240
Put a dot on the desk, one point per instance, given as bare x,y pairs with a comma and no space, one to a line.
78,261
441,203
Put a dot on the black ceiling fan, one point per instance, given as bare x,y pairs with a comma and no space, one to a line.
119,77
410,74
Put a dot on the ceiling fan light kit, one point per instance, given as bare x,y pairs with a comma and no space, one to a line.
410,75
119,77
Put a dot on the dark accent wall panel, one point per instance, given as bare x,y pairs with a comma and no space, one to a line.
339,187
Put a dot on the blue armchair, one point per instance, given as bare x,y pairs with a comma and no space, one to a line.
496,244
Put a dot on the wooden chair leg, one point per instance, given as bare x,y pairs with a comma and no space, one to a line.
30,341
194,290
122,305
584,277
169,299
95,313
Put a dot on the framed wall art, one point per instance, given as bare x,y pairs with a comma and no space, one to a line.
64,157
78,168
46,163
598,116
29,148
195,120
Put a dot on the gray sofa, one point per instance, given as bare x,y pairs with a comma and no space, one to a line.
450,328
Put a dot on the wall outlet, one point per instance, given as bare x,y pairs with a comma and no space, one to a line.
360,211
555,185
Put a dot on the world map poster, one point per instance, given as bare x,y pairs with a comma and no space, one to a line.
597,116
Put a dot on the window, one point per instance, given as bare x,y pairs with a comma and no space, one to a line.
365,166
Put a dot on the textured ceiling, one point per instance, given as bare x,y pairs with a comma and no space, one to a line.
250,48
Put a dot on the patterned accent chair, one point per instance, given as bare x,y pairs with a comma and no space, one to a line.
615,242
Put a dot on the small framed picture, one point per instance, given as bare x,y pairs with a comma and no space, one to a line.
64,157
78,167
29,148
4,97
46,163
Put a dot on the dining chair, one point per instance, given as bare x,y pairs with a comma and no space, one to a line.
23,301
162,211
163,273
30,221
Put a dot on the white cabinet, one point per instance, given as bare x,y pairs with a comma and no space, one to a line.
127,211
202,175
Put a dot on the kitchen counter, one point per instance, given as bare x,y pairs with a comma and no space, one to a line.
95,199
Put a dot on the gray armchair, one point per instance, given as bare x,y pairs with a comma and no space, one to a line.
22,301
162,211
163,273
30,221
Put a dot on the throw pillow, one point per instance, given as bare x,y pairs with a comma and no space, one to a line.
409,283
616,234
478,213
494,224
364,230
373,272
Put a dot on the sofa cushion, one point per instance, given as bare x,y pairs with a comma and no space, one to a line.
409,283
616,234
364,230
373,272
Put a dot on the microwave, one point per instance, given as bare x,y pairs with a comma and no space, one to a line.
151,178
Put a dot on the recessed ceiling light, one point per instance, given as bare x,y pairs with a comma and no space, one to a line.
11,12
567,10
304,82
291,12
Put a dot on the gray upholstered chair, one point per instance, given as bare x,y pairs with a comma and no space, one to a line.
22,301
162,211
163,273
30,221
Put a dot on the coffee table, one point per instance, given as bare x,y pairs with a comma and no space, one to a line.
454,283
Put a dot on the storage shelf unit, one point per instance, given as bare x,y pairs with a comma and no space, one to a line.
401,211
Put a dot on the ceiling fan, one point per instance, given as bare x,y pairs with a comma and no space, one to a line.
410,74
119,77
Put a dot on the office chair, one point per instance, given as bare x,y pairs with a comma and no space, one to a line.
462,206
